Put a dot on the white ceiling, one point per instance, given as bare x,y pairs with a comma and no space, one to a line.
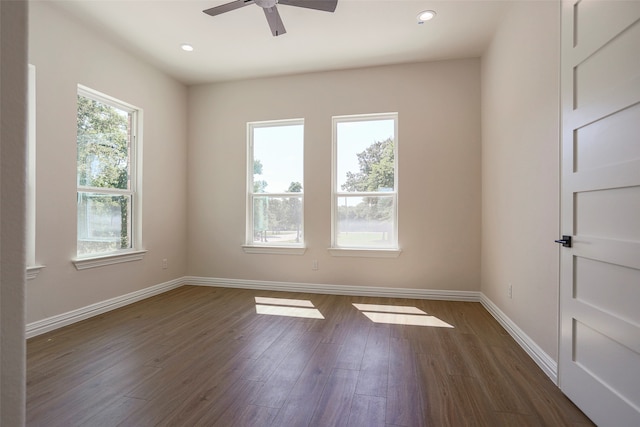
239,44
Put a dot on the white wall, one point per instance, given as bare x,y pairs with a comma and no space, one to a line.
520,169
439,174
66,53
13,128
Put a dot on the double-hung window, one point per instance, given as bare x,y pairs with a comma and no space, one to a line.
365,183
108,205
275,197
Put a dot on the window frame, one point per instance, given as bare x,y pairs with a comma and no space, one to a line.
250,246
33,268
134,252
392,250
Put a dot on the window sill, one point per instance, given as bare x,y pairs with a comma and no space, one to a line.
365,253
279,250
101,261
33,271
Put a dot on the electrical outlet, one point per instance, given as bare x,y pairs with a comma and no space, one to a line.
165,264
314,264
510,291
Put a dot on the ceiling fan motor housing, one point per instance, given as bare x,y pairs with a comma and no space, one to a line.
266,4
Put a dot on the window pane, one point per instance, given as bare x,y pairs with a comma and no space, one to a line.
365,156
103,145
365,222
278,159
277,220
103,223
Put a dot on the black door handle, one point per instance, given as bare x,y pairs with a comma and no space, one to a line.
565,241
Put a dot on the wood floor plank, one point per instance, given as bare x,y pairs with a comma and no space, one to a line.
452,354
441,405
220,405
278,386
261,335
114,413
334,406
203,356
85,399
474,404
352,352
269,360
490,376
486,327
183,399
373,379
75,366
304,397
404,401
367,411
461,315
546,400
340,325
256,416
185,375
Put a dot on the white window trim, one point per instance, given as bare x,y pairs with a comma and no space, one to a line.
250,247
274,250
135,253
365,253
33,271
33,268
377,252
109,259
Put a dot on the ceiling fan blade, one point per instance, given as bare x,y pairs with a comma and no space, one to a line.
325,5
275,22
228,7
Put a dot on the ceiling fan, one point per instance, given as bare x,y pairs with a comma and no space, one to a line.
271,10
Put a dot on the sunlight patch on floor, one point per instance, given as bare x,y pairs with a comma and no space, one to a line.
407,319
287,307
284,301
389,308
400,315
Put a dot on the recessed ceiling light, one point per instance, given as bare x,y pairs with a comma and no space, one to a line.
186,47
426,15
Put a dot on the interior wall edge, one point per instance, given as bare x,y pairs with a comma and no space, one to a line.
13,130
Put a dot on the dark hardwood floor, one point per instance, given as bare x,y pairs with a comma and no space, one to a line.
200,356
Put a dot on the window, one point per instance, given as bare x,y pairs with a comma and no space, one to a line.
365,183
106,175
275,198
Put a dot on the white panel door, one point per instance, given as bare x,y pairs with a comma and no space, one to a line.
599,367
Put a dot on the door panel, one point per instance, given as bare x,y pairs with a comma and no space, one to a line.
608,213
589,33
601,357
620,296
621,130
599,364
595,78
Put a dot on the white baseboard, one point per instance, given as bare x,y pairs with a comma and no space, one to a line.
542,359
315,288
49,324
